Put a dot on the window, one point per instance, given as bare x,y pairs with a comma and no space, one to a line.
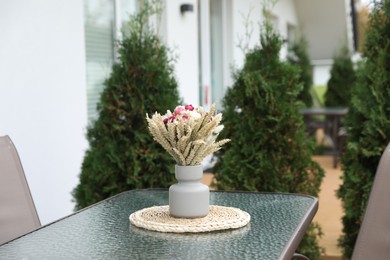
102,23
217,58
290,35
221,47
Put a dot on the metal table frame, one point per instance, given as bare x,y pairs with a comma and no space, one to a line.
331,125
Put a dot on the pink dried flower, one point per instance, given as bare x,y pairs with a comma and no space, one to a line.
179,110
189,107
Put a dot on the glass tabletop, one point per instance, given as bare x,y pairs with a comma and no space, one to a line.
103,231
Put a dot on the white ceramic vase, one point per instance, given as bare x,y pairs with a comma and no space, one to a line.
189,198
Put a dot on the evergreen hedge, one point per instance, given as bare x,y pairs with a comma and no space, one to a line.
342,79
122,154
269,150
298,55
368,124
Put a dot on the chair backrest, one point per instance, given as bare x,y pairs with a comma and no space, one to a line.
373,241
17,211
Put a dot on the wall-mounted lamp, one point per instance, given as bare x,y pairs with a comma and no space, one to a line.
186,8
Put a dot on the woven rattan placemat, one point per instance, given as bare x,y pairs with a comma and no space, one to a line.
157,218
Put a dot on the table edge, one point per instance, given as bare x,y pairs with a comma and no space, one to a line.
330,111
296,238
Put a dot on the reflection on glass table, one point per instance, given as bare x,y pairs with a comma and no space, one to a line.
103,231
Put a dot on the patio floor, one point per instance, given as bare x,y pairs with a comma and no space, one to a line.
330,210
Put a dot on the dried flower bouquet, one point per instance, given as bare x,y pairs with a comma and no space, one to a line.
188,134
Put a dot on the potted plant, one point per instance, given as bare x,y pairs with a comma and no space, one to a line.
188,134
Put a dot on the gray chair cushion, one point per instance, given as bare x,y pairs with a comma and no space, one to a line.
17,211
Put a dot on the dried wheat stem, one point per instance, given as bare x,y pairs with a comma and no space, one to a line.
196,145
181,160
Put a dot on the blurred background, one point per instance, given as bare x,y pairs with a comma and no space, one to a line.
55,55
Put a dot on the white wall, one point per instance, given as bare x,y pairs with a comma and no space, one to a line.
43,96
247,17
286,13
321,71
180,33
321,75
284,10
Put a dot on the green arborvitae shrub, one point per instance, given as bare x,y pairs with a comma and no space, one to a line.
122,154
269,150
298,55
342,79
368,125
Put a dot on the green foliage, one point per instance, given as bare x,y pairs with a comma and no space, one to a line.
122,154
298,55
342,79
368,125
269,150
318,93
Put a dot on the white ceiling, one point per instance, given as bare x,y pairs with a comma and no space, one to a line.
326,25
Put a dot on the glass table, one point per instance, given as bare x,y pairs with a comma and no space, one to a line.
103,231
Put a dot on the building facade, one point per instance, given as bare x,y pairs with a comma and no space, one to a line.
54,56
